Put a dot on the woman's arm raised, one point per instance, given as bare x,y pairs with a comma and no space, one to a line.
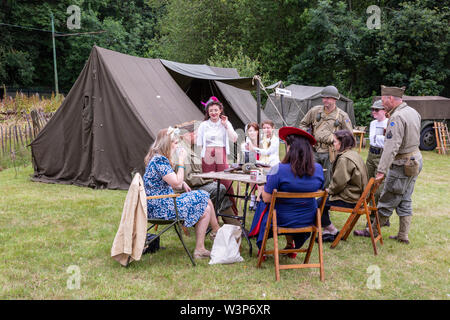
175,180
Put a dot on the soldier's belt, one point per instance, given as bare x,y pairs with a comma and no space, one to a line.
401,156
321,146
375,150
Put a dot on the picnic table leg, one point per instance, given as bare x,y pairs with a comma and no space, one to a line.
218,201
246,197
361,137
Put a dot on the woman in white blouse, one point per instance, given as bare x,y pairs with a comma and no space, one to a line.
269,153
252,132
213,137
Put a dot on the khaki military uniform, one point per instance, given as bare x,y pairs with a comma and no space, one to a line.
347,184
322,131
401,145
349,177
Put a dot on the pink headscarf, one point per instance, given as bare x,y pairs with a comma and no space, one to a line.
212,99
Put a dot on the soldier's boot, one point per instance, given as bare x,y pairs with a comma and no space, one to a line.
384,222
405,224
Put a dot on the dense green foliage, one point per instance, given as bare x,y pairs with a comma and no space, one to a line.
318,42
128,26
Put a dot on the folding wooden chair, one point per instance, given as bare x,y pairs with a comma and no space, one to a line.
277,230
365,206
176,223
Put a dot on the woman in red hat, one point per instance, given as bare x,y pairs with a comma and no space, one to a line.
297,172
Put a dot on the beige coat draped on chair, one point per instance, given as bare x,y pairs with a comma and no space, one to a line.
130,237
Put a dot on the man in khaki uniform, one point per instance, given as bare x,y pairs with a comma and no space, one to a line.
401,160
322,121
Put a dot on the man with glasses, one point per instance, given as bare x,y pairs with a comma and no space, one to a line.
376,137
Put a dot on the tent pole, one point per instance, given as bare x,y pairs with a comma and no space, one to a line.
281,101
258,106
258,102
54,54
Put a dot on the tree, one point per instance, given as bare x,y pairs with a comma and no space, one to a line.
414,51
191,31
16,68
337,43
128,24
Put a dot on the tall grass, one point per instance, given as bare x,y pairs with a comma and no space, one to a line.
15,113
21,104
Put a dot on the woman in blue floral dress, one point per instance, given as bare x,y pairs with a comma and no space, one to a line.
194,207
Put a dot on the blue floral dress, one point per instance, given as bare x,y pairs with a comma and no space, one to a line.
190,205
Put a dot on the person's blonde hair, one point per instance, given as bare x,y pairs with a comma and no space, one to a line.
162,146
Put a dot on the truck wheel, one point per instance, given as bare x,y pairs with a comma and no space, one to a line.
428,139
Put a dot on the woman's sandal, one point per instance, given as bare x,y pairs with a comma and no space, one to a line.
202,254
291,255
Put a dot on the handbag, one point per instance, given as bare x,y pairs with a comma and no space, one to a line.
226,245
152,247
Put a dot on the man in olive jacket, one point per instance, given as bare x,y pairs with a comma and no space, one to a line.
322,121
351,169
348,181
401,161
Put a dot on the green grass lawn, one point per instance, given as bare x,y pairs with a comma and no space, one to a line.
46,228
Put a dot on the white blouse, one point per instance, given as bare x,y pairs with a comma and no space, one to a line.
270,155
214,134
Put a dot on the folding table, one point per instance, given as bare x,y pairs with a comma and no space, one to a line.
239,177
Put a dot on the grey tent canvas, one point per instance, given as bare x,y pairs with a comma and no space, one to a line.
289,111
102,131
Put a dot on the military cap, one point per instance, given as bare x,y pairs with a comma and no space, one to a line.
330,92
377,105
392,91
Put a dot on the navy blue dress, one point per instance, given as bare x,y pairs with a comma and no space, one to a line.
292,213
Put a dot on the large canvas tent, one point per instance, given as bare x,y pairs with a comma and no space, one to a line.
100,134
290,110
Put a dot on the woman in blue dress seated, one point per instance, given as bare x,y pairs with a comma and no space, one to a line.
297,172
194,207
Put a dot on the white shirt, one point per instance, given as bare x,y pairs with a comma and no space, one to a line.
214,134
376,133
271,154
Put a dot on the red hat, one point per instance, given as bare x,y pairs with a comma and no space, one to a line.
285,131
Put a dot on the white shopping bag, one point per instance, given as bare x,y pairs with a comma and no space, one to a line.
226,245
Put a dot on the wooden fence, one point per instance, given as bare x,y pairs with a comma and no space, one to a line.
14,137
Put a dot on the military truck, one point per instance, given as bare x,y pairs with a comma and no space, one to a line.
430,108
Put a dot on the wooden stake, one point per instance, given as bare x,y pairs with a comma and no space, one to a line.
438,146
